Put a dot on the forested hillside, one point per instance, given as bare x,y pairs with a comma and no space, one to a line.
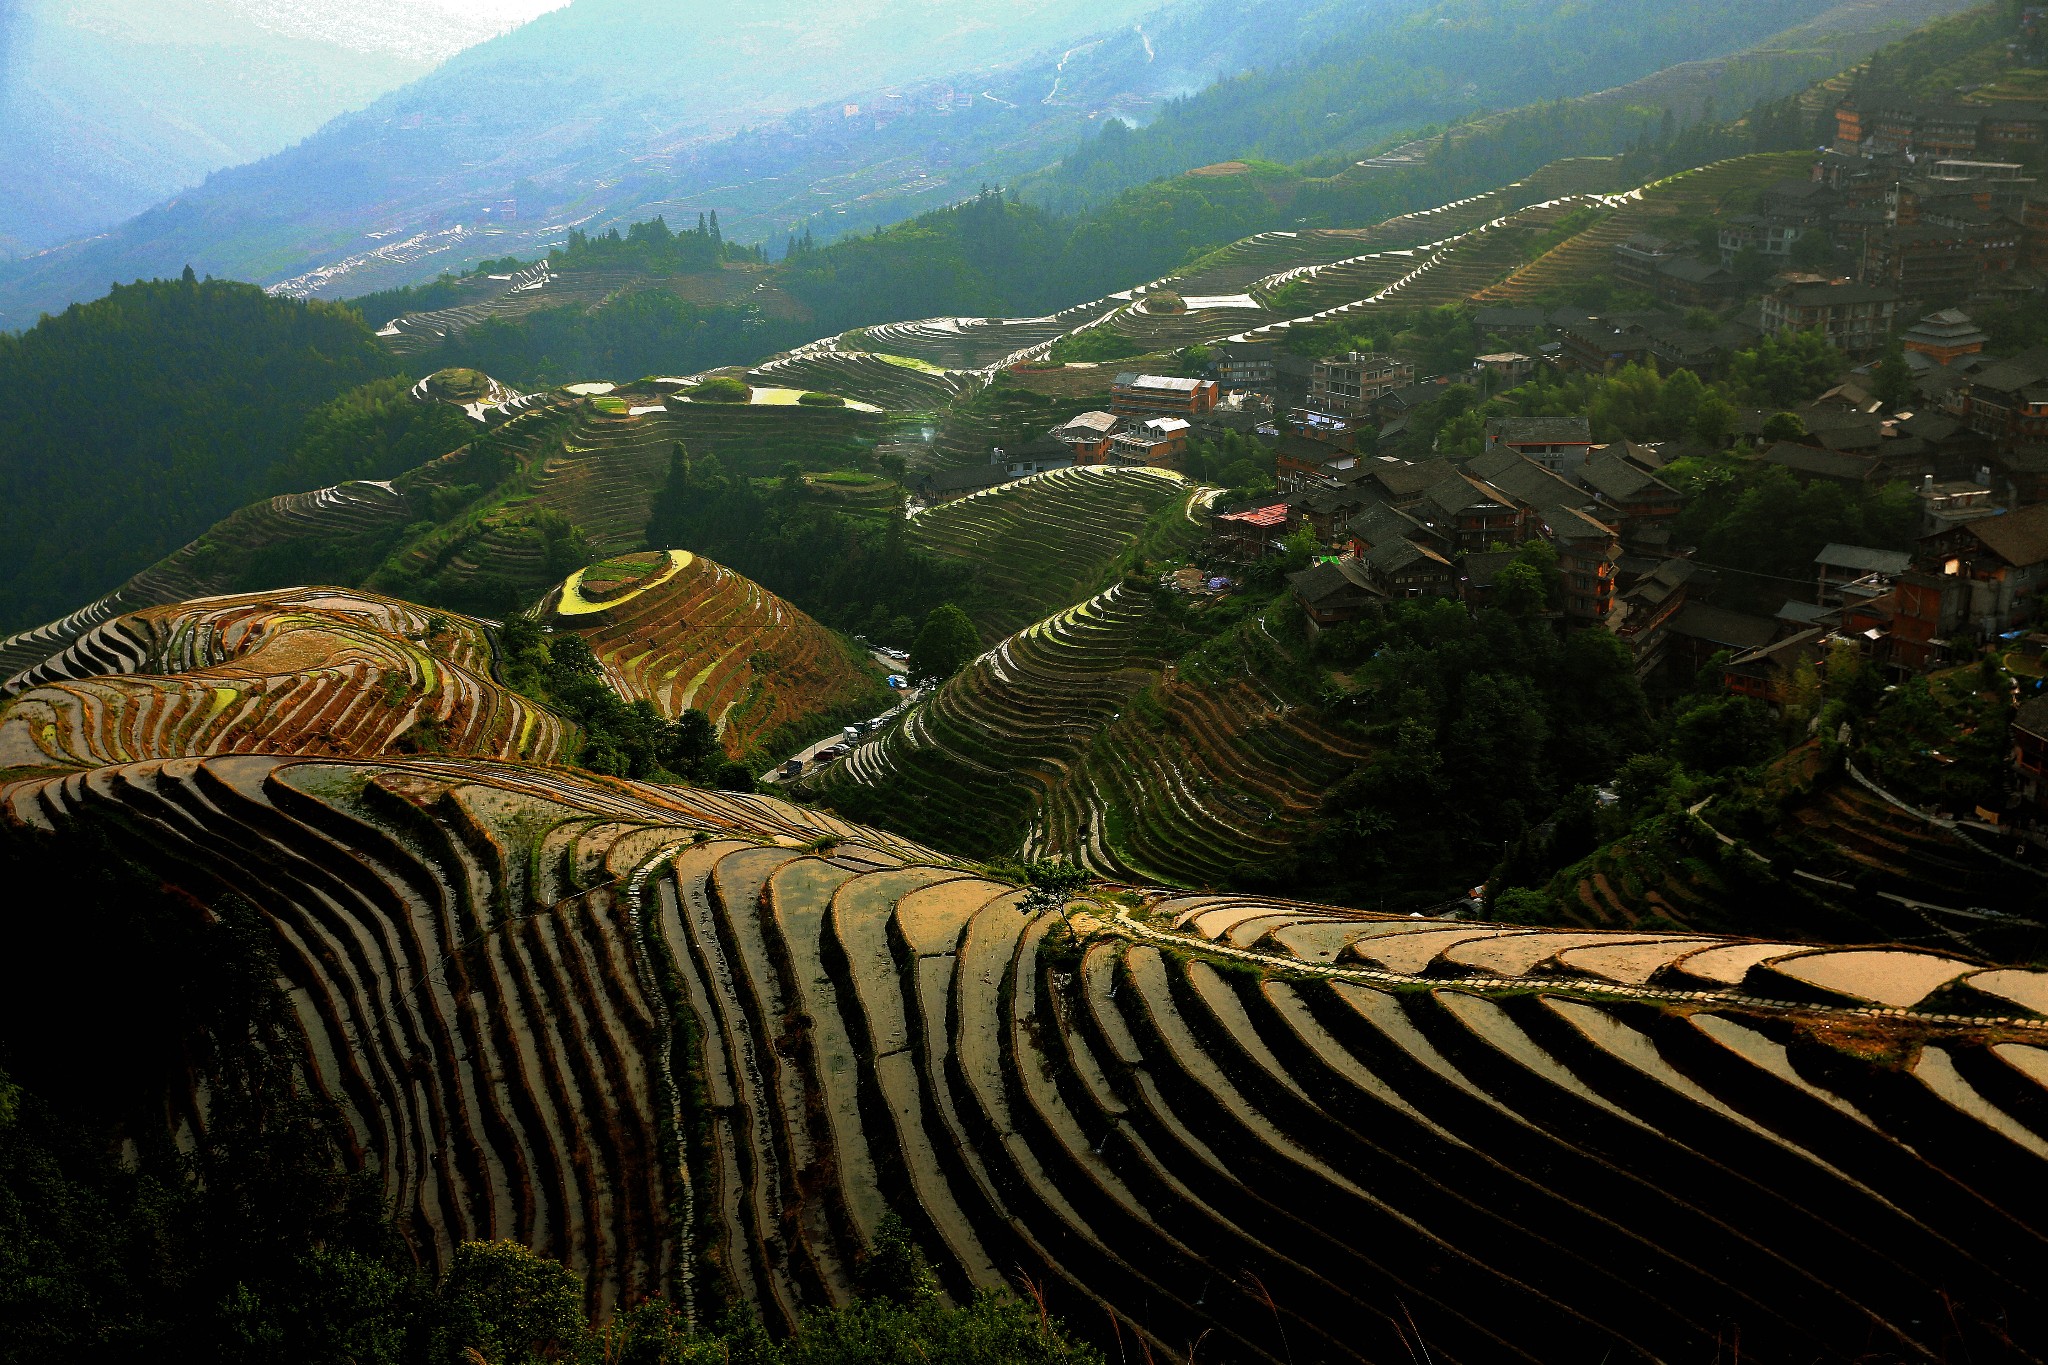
129,424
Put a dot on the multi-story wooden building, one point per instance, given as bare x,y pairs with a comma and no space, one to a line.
1856,319
1350,384
1153,395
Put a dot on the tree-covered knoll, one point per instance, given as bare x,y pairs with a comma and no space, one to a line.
130,424
641,331
1482,723
856,572
370,432
652,247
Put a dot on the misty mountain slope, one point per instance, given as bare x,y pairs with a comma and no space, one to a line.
105,110
1448,60
554,113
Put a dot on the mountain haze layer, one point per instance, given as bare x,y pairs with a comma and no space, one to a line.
105,110
552,116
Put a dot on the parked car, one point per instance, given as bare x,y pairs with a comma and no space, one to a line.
852,733
897,680
793,768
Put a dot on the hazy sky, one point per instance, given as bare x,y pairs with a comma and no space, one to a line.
430,29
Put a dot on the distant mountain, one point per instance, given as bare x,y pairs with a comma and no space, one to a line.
582,108
105,110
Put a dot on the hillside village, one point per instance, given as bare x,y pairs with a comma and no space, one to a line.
1918,219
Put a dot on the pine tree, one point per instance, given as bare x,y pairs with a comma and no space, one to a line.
670,513
715,236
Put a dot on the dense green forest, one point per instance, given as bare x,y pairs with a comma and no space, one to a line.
858,573
643,331
651,246
257,1245
1482,725
129,424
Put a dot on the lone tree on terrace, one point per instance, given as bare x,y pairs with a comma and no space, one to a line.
945,645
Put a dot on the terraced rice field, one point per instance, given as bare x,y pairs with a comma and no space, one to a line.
1642,210
699,635
1172,331
1448,270
969,766
1053,538
527,291
1074,739
1870,870
1195,787
1264,262
213,563
972,343
306,671
903,384
651,1032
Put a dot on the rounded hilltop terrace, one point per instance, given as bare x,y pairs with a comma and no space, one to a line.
1510,1143
678,630
305,671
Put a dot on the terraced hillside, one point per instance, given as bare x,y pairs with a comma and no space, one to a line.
1081,737
973,343
216,561
1265,261
680,631
527,290
894,383
1448,270
306,671
1199,783
1055,538
970,766
1854,866
669,1038
1694,193
339,534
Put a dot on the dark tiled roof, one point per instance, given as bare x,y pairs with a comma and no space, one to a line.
1690,270
1541,430
1409,480
1808,614
1837,295
1458,492
1611,476
1525,480
1378,524
1784,654
1569,523
1399,556
1863,559
2017,537
1931,426
2028,459
966,480
1332,579
1825,464
1481,568
1718,626
2033,717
